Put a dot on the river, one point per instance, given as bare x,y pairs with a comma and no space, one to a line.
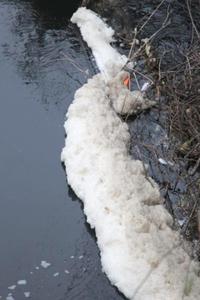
40,217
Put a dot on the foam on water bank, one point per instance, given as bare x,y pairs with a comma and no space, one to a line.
140,253
99,36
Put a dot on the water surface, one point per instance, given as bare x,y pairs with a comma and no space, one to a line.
40,217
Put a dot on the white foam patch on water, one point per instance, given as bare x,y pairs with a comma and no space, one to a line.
99,36
22,282
10,297
27,294
12,287
140,253
45,264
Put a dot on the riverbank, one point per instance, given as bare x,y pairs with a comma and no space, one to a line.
164,37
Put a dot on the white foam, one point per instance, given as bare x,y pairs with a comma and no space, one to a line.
12,287
27,294
22,282
99,36
140,253
45,264
10,297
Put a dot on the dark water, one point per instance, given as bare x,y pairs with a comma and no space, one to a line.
40,218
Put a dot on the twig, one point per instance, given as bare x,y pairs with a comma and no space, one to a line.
137,32
151,15
132,44
141,74
164,24
190,216
137,82
194,169
192,20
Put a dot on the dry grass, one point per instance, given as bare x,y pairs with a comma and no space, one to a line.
182,88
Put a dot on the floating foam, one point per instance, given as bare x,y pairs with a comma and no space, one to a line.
140,253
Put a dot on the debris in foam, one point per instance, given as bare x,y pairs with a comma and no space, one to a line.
164,162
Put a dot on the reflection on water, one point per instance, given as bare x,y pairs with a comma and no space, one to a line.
42,51
38,219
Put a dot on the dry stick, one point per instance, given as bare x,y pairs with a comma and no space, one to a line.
190,216
141,28
165,24
143,75
159,66
143,164
138,85
192,20
146,175
194,169
132,44
144,24
189,70
151,15
198,221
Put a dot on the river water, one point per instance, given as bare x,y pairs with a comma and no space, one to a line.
40,217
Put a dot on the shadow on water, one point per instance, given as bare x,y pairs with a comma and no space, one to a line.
54,13
38,219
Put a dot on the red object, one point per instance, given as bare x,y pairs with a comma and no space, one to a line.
127,82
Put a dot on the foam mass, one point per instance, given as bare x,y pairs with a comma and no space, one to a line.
140,253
